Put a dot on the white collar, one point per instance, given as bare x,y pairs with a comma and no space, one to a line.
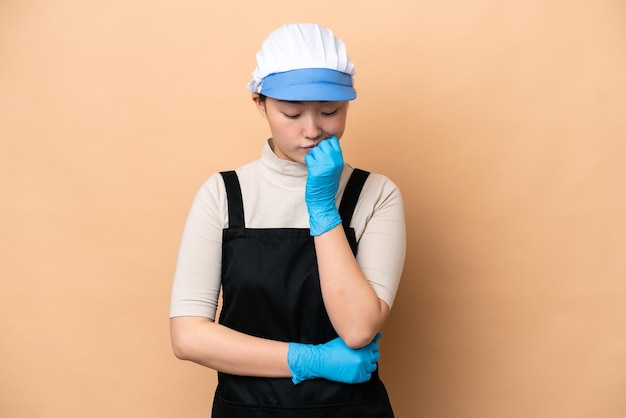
282,168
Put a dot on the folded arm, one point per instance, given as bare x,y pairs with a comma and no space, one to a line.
212,345
205,342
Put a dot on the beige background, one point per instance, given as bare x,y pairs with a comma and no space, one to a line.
502,121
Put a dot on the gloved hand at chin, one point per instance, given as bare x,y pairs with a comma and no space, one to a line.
324,164
333,361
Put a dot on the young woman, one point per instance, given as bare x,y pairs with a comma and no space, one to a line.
307,251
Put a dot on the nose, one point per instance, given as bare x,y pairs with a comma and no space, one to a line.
311,128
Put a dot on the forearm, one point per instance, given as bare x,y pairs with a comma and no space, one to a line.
205,342
353,307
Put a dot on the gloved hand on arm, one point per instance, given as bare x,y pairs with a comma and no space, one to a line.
324,164
333,361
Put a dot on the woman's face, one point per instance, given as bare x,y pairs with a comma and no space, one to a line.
297,127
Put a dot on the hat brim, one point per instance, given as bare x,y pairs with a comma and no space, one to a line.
311,92
310,84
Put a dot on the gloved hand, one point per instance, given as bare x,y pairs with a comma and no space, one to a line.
325,164
333,361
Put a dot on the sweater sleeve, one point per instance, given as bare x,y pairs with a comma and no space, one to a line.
197,279
382,242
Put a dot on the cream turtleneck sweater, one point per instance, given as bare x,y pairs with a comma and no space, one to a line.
273,197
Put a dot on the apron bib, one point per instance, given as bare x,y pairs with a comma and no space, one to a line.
271,289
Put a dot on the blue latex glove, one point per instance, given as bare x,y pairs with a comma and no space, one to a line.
333,361
325,164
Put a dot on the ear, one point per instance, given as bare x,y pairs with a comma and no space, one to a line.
260,104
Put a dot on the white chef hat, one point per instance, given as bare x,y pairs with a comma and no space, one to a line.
303,61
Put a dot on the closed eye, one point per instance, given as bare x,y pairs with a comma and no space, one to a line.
330,113
288,116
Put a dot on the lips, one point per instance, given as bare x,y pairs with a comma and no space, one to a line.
314,145
310,147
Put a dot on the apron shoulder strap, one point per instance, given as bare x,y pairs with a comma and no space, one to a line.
235,200
346,207
351,195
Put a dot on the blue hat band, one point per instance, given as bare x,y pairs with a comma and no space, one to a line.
309,84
